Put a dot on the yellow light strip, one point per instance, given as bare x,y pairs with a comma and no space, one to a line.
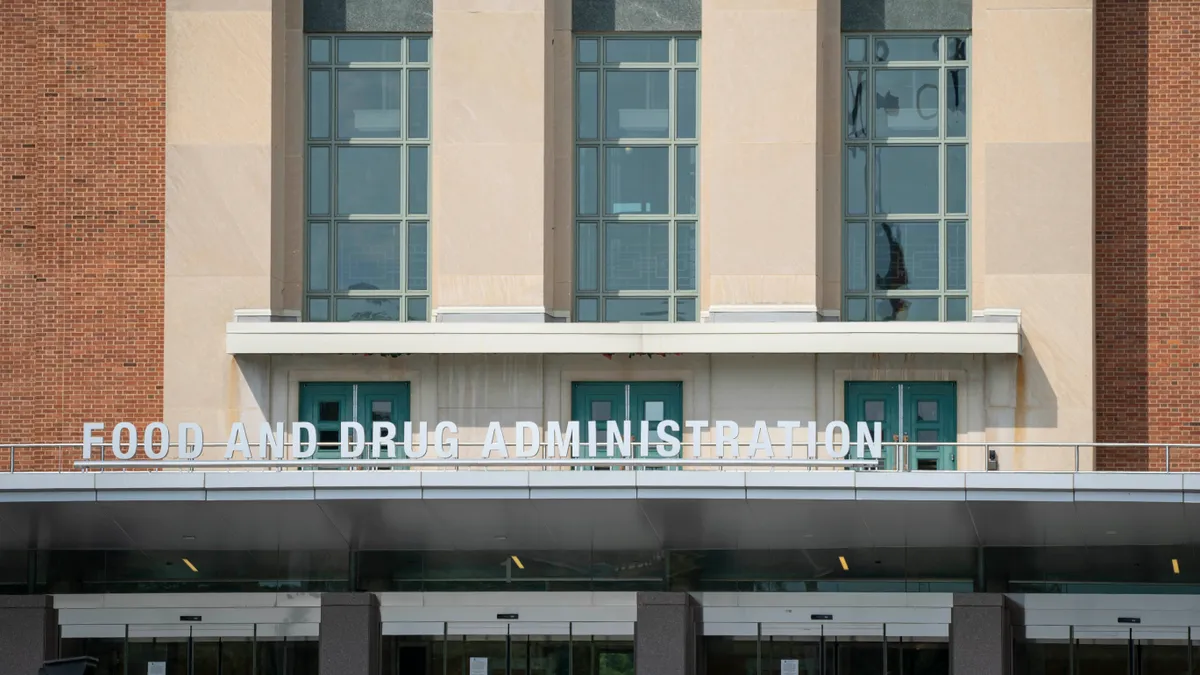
842,559
518,561
1175,565
190,565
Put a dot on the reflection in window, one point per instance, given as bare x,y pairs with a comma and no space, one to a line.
636,125
905,196
368,174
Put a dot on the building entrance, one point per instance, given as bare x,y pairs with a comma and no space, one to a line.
1133,653
507,655
921,413
826,655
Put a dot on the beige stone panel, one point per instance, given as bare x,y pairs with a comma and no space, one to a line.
759,76
219,77
289,371
747,389
489,290
291,239
1039,208
561,225
760,289
219,5
991,5
489,83
490,381
218,214
1022,94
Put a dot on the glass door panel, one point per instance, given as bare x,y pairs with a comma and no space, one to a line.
872,402
930,417
1162,657
602,656
110,652
539,656
653,402
172,652
326,406
731,655
1042,657
598,402
489,650
805,652
910,656
853,656
1102,657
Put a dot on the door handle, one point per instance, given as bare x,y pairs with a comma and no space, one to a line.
895,438
905,438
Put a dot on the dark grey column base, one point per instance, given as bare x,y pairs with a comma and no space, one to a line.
28,632
665,636
350,634
981,634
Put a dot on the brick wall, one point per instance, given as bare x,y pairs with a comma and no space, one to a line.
1147,230
82,133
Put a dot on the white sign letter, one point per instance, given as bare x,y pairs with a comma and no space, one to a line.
697,429
270,437
190,450
619,440
535,440
761,441
447,448
237,441
812,440
353,440
494,442
559,445
727,433
383,437
164,441
422,448
302,449
673,445
126,451
843,448
872,440
89,441
789,431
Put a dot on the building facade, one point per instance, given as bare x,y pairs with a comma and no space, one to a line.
963,226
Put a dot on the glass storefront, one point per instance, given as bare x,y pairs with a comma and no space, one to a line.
826,655
1130,654
196,656
507,655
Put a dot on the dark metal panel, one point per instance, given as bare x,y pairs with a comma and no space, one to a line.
368,16
635,15
889,15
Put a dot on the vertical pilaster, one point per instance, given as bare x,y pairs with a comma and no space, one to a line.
350,638
665,641
980,634
28,632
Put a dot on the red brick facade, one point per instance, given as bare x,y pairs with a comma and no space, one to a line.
1147,230
82,140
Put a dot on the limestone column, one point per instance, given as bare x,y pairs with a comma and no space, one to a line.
980,634
28,632
350,634
665,641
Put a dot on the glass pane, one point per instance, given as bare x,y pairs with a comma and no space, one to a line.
318,309
907,256
892,49
686,50
318,104
418,50
587,264
1163,658
318,256
329,411
587,103
601,411
381,411
906,103
637,50
956,179
368,104
856,50
653,411
956,309
587,309
856,309
637,180
857,180
687,101
418,179
1106,658
368,256
956,49
369,50
856,104
318,181
173,652
956,103
906,179
685,309
318,50
636,309
417,309
636,103
857,251
589,51
368,309
636,257
418,256
956,256
368,180
927,411
1046,658
873,411
685,176
685,257
906,309
418,104
588,199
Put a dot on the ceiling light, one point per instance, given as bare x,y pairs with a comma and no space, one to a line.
1175,565
518,561
842,559
1111,532
189,537
190,565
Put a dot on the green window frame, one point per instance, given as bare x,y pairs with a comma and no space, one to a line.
367,178
327,404
636,202
905,177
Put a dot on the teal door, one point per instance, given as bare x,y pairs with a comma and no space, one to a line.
921,413
327,404
634,402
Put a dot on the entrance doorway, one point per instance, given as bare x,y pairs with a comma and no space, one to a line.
633,402
507,655
921,413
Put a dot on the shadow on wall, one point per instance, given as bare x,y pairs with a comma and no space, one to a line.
1121,217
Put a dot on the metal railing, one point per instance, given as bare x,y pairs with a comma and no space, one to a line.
970,457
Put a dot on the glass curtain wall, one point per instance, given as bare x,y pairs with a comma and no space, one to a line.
905,198
824,654
196,655
507,655
1109,652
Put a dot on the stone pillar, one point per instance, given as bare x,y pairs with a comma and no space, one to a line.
350,642
665,637
980,634
28,632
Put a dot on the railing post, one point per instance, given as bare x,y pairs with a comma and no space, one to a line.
12,459
1076,459
1167,451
